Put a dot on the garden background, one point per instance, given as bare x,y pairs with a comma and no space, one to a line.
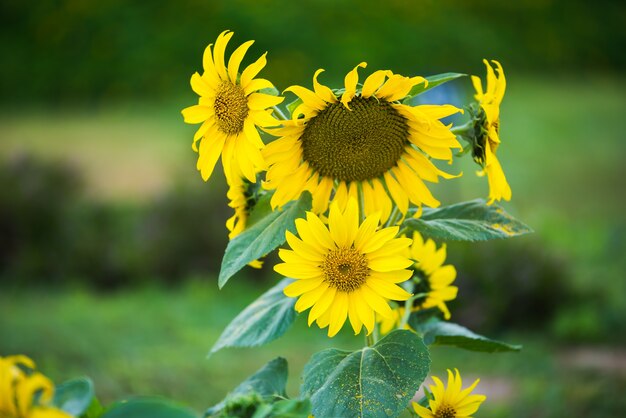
110,241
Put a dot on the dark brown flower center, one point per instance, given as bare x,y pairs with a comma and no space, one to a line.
345,269
231,108
445,411
357,144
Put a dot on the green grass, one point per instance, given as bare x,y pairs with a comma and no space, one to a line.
154,342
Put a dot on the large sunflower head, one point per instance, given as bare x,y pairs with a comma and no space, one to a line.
25,393
434,279
343,269
450,401
362,141
230,108
486,116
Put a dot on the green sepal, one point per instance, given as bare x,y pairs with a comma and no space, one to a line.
433,81
268,384
74,396
264,320
264,236
437,332
467,221
369,382
291,107
148,408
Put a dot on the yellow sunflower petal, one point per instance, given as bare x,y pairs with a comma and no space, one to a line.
252,70
338,313
218,52
235,60
350,81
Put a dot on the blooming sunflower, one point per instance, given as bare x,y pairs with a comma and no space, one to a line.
243,196
364,139
22,394
450,401
230,109
345,269
435,279
488,132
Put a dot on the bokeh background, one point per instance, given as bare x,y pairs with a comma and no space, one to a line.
110,241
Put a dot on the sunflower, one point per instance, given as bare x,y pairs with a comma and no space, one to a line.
450,401
23,392
230,109
433,278
363,140
345,269
243,196
488,132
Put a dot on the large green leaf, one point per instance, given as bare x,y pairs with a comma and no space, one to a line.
262,237
269,383
148,408
372,382
433,81
266,319
437,332
467,221
287,408
74,396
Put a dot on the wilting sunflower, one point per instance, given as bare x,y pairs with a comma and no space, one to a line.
362,140
433,278
450,401
25,393
488,131
345,269
230,109
243,196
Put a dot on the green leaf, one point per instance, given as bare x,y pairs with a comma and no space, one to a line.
371,382
74,396
261,209
266,319
262,237
437,332
288,408
467,221
269,382
433,81
148,408
272,91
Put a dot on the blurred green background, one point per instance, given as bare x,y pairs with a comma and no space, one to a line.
110,241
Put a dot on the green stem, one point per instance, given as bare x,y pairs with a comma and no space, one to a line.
280,113
369,340
392,217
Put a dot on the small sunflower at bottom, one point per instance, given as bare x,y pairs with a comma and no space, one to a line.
451,401
25,393
345,270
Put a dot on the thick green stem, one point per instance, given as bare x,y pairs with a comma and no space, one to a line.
280,113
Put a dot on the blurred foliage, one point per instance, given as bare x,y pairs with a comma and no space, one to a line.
60,50
56,236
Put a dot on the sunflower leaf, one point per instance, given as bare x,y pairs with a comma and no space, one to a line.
262,237
367,382
74,396
264,320
467,221
148,408
437,332
266,385
433,81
